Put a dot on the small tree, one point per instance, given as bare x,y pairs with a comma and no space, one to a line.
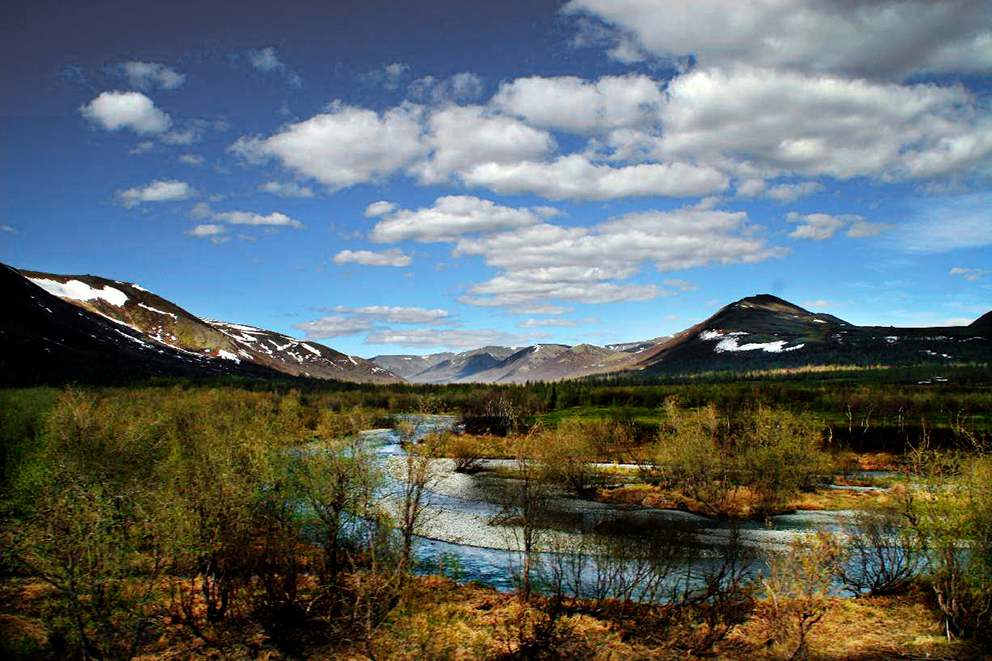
798,588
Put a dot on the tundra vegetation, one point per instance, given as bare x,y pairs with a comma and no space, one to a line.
204,520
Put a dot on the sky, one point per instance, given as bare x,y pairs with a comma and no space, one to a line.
388,177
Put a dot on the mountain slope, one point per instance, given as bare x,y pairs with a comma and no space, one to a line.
407,365
44,339
166,324
462,367
553,362
764,331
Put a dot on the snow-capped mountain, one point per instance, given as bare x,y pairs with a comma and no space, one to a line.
162,325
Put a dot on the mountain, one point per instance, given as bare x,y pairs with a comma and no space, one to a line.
553,362
408,365
44,339
461,367
112,309
764,331
985,321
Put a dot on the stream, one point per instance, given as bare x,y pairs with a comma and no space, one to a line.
459,537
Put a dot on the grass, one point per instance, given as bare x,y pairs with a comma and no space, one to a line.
440,619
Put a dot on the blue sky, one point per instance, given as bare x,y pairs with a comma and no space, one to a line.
409,177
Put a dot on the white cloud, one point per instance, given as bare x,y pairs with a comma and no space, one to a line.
764,123
398,314
267,60
191,159
861,229
275,219
580,106
461,137
286,189
126,110
821,226
575,177
344,146
445,338
943,224
883,38
185,136
163,190
389,75
969,274
9,229
217,234
546,323
547,261
818,226
203,211
334,326
450,217
392,257
149,75
791,192
817,304
460,87
380,208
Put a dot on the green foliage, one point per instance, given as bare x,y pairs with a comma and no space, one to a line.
771,453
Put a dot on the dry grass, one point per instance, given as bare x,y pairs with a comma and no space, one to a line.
439,619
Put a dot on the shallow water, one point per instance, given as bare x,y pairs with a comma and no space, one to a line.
460,538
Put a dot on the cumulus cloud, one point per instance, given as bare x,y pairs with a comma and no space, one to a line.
463,86
163,190
394,257
821,226
884,38
790,123
334,326
581,106
575,177
583,264
203,211
191,159
452,216
461,137
342,147
380,208
969,274
149,75
267,60
791,192
285,189
398,314
389,75
134,111
207,230
274,219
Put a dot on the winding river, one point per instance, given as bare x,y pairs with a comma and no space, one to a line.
459,531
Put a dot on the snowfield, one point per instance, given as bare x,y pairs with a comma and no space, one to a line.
78,290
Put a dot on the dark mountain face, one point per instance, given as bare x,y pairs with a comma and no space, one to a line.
985,321
764,332
44,339
163,325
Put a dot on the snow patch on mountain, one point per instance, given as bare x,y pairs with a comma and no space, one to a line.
78,290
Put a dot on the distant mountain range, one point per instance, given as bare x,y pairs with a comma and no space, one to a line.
758,332
60,328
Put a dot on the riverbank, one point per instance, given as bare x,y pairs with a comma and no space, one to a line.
440,619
